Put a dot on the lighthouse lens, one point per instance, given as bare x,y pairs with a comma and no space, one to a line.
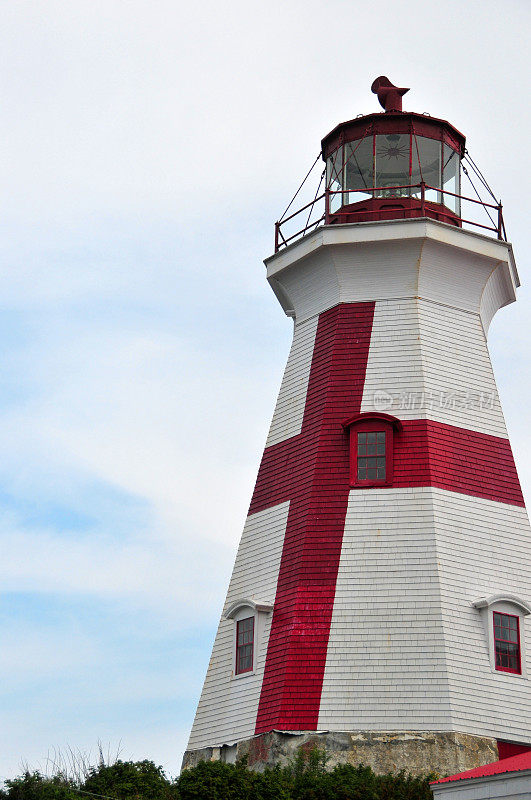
392,165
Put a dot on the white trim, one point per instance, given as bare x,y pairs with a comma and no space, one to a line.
245,602
487,602
504,604
391,230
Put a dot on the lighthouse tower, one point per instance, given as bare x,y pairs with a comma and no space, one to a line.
378,607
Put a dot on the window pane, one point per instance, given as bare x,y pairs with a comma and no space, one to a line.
426,167
358,169
380,436
245,658
392,164
334,177
371,457
362,438
451,178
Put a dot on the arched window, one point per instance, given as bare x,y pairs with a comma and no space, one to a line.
247,616
503,616
371,448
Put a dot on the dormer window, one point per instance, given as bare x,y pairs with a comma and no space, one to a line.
371,449
504,620
247,616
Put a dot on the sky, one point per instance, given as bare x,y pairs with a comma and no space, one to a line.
146,150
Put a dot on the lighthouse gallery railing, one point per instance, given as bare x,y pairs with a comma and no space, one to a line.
348,212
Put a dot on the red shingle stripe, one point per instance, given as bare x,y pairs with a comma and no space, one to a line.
428,453
311,470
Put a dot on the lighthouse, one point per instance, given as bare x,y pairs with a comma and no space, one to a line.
379,604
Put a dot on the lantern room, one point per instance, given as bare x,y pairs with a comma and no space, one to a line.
393,165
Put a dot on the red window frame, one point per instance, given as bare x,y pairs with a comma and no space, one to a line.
518,655
371,422
244,640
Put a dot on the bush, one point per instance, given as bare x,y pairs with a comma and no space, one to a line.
128,780
34,786
306,778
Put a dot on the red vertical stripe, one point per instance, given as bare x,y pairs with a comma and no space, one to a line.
311,470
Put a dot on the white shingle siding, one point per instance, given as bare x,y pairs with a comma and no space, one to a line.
385,665
392,261
432,362
289,410
494,295
407,649
483,548
228,705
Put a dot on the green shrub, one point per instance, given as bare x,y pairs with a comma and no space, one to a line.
34,786
128,780
306,778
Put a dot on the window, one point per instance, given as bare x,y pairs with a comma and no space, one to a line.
247,618
503,617
507,643
393,163
371,448
244,645
371,456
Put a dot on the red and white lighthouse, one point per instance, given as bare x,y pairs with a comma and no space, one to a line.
379,602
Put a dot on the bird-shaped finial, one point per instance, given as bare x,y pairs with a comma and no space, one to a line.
390,96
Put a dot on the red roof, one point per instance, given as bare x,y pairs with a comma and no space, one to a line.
512,764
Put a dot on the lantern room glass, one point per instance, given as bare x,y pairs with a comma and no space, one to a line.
390,165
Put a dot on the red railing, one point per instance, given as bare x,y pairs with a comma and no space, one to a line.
282,240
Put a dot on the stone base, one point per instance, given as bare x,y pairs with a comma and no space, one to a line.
417,752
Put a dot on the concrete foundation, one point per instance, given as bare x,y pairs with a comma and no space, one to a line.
417,752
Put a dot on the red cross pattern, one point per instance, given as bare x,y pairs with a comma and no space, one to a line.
311,470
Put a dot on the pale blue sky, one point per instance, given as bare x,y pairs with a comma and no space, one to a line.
147,148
